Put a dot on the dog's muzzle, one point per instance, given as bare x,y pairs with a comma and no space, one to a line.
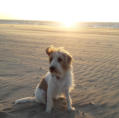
52,69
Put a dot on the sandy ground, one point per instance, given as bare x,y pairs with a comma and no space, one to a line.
96,68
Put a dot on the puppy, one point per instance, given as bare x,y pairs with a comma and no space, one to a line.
57,82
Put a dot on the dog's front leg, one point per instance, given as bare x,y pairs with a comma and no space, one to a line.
69,101
49,104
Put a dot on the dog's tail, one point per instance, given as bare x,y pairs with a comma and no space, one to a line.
26,99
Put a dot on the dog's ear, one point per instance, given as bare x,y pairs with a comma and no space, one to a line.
69,58
50,50
67,61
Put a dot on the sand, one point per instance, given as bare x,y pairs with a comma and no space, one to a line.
96,69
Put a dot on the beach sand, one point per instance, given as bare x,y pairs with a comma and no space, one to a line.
23,62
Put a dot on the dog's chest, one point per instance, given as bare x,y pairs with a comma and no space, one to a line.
60,86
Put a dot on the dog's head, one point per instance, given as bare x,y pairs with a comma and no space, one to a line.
60,60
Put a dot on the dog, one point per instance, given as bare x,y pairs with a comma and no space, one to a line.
57,82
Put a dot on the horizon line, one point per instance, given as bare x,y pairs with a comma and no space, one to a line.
57,20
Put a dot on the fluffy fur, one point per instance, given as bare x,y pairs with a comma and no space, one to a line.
57,82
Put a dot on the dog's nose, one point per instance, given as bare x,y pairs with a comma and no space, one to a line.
52,68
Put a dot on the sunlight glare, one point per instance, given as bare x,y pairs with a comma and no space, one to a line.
53,10
68,23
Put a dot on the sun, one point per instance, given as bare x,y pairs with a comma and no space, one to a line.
68,23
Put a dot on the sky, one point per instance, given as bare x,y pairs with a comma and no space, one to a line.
61,10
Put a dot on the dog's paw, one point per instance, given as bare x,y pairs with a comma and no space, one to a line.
71,109
48,110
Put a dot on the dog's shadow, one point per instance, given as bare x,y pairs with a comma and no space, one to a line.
35,110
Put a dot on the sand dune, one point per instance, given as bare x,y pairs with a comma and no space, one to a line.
96,68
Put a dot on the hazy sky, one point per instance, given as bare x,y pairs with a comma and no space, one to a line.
61,10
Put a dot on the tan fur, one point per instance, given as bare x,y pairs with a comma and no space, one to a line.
66,63
43,84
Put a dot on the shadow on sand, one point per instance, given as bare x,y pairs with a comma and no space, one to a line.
35,110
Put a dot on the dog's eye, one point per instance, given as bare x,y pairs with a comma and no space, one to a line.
51,59
59,60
